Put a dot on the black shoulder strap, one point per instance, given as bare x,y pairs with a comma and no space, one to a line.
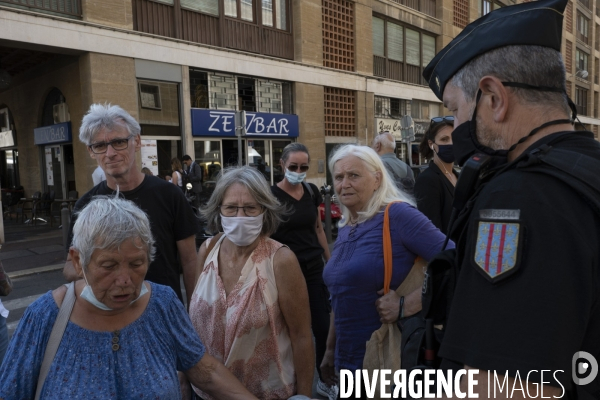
577,170
307,187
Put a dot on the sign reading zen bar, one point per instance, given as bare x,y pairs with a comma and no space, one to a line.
59,133
222,123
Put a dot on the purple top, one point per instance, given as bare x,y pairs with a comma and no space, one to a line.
354,274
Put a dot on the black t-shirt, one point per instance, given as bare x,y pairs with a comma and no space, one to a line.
547,306
171,220
298,229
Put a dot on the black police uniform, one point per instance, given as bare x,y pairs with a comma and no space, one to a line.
527,295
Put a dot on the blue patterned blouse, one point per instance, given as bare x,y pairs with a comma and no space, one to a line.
151,351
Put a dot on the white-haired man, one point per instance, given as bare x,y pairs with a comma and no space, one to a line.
112,137
385,145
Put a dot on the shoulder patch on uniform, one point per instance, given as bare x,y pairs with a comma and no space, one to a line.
498,244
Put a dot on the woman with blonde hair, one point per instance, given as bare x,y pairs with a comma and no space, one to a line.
354,273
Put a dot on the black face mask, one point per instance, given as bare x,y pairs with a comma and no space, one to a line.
464,137
445,153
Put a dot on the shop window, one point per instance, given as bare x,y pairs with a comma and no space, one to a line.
199,89
150,96
222,91
208,156
204,6
246,94
486,6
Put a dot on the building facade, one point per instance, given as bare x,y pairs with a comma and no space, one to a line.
322,72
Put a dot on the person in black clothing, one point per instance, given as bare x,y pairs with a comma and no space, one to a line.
193,175
434,188
527,272
303,233
112,137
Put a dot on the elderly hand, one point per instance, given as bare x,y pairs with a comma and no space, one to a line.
388,307
328,368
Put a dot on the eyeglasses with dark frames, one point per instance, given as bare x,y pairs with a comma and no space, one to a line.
117,144
294,168
232,211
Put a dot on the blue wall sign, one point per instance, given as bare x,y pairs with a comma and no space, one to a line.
222,124
59,133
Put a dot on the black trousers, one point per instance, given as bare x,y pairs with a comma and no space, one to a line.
320,307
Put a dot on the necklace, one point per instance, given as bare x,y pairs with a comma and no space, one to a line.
448,174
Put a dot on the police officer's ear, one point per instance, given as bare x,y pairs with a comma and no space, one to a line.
495,100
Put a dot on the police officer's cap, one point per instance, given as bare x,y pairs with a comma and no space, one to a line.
536,23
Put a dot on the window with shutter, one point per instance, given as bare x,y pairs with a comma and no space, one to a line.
395,42
413,48
205,6
428,49
378,37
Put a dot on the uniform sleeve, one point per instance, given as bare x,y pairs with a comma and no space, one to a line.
427,194
188,346
23,359
416,231
535,318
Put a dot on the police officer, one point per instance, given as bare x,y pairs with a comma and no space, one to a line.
527,288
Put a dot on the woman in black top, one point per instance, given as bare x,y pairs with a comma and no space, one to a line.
303,233
434,187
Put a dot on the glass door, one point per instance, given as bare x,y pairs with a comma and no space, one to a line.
53,168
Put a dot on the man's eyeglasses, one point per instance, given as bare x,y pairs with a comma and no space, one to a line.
117,144
438,120
294,168
249,211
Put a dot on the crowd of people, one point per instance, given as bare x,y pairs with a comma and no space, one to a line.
267,305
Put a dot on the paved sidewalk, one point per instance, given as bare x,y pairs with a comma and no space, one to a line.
31,249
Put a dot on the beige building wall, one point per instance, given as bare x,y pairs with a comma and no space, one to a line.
308,31
168,114
363,36
104,79
310,108
25,100
365,117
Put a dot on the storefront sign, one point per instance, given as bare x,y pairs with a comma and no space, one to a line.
420,129
59,133
7,139
150,155
221,123
388,125
49,173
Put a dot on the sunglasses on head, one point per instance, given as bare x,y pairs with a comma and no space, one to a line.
294,168
438,120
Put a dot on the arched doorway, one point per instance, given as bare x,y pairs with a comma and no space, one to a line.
54,138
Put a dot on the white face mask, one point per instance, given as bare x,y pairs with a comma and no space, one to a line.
294,177
242,230
88,294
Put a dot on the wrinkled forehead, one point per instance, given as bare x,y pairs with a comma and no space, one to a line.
116,131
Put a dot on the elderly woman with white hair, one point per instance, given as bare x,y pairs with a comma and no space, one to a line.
124,337
354,273
250,305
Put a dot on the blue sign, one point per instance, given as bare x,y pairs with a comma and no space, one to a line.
59,133
222,124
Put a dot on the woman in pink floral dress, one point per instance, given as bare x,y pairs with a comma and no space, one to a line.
250,304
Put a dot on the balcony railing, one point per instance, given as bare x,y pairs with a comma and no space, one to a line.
581,109
66,7
425,6
583,38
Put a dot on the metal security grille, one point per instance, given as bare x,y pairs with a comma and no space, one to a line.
461,13
340,113
338,34
568,57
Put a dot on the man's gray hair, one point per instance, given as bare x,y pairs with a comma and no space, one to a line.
108,222
532,65
386,140
259,189
106,116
